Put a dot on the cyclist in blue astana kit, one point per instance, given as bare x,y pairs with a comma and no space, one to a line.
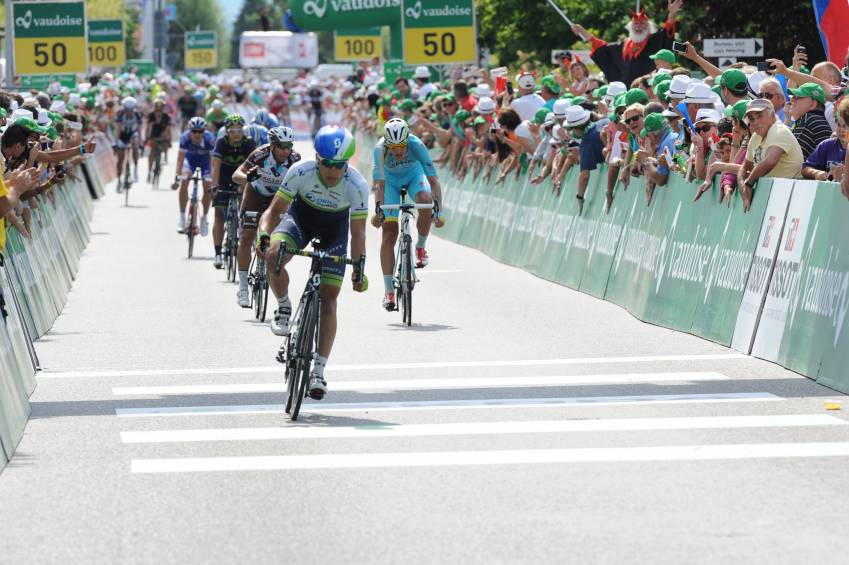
401,159
324,199
229,154
262,175
196,145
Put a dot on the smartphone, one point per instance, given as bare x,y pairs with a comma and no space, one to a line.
510,88
765,67
679,47
801,49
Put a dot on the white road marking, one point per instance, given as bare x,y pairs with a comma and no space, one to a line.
481,428
511,457
486,403
392,366
432,384
426,272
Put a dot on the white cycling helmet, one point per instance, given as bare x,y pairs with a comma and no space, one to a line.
128,103
281,134
396,131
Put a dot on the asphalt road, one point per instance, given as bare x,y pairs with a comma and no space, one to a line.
517,422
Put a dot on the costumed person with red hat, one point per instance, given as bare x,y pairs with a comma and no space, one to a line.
629,59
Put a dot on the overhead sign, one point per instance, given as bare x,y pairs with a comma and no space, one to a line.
106,43
143,67
49,37
357,44
201,48
437,32
278,50
734,47
41,82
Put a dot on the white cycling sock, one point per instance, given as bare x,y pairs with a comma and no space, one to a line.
284,302
387,284
318,366
243,279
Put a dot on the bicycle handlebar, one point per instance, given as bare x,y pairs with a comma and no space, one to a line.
406,206
358,264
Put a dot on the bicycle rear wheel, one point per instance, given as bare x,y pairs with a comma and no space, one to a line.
407,283
127,184
306,342
262,300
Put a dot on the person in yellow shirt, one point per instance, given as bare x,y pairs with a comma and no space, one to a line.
773,150
11,185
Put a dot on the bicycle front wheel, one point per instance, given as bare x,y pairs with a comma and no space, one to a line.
190,229
407,283
306,343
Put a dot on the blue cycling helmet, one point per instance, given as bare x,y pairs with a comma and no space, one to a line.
334,142
261,118
258,133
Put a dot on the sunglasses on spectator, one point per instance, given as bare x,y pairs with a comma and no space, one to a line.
704,129
767,95
332,163
633,119
284,145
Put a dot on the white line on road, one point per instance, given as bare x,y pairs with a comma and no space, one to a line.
391,366
513,457
439,272
429,384
485,403
482,428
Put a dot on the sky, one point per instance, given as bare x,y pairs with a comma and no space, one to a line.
231,9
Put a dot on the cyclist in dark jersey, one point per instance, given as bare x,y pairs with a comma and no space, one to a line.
188,107
229,154
158,133
314,100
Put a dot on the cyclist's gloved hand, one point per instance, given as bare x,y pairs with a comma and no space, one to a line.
379,217
362,286
253,173
262,240
438,216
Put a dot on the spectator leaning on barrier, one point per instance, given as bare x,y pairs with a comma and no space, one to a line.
807,106
704,141
580,124
773,150
826,162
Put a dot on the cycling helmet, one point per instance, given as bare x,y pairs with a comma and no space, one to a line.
281,134
396,131
258,133
261,118
197,123
129,103
234,120
217,104
334,142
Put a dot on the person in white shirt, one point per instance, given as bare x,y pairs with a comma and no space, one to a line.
422,78
528,101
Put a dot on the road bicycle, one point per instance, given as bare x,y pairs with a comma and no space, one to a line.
257,276
128,179
192,226
404,279
156,150
298,350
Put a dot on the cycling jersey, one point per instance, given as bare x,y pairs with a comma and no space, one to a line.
302,181
159,126
188,106
216,118
315,97
128,125
319,211
197,155
231,157
271,173
411,171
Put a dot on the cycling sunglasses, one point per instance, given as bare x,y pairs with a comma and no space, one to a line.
284,145
397,145
198,130
333,163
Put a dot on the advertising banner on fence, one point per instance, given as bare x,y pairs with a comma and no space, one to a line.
278,50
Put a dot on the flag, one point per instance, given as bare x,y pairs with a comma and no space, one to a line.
832,17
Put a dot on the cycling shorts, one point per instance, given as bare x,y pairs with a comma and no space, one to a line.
252,201
205,170
302,223
415,181
126,139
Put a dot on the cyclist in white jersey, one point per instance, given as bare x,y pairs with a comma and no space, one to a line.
263,173
324,199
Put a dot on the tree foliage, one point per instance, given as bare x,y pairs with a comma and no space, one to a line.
205,15
248,20
516,31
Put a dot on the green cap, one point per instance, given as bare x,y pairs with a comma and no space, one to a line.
4,113
804,70
434,117
734,80
578,100
737,110
446,83
55,117
567,96
664,55
448,98
660,91
461,116
550,83
809,90
479,120
660,78
651,123
539,116
636,96
52,133
716,89
620,102
600,92
31,125
407,105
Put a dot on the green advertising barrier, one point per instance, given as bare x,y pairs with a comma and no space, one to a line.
676,263
808,295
